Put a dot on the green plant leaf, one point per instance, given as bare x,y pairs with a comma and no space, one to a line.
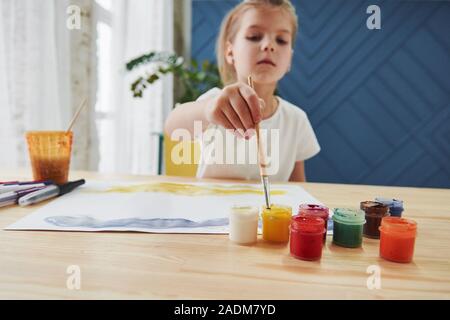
152,78
193,80
194,64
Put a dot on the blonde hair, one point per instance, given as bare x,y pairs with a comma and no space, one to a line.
229,29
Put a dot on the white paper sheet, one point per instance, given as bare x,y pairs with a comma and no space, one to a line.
94,207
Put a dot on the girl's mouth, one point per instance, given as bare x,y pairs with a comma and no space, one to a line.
266,61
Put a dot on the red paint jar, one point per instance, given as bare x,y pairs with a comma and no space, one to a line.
315,210
306,237
397,238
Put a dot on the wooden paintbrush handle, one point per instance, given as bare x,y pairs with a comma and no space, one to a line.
261,154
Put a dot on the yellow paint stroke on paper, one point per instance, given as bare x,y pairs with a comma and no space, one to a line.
191,189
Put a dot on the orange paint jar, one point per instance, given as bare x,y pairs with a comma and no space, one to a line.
276,222
397,238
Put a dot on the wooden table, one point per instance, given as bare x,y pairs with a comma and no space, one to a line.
121,265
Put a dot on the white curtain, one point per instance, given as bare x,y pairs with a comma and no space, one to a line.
39,89
138,26
32,88
47,69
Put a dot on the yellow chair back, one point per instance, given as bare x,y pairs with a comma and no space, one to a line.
177,152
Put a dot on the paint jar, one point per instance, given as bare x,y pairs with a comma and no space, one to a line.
348,227
243,224
307,237
276,221
395,205
397,238
316,210
375,211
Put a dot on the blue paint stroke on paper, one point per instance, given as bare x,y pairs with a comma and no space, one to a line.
157,223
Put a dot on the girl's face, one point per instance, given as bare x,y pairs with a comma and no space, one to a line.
262,46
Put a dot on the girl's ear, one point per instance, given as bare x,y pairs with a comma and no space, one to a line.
229,53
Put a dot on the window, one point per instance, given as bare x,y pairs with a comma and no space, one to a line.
126,125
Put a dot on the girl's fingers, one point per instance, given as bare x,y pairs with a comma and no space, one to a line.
252,101
232,117
227,125
242,110
223,120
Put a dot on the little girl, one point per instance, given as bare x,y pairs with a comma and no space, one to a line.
256,39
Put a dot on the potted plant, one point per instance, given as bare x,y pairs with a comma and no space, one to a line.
194,79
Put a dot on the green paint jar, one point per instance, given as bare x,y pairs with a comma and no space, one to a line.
348,227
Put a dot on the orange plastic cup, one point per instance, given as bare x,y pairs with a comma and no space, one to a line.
397,238
50,154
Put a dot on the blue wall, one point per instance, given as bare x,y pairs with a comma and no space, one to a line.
378,100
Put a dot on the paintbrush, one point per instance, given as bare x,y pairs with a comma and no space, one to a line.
80,107
261,159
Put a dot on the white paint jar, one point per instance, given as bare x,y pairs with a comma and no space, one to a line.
244,224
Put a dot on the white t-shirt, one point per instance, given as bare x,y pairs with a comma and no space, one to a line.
293,140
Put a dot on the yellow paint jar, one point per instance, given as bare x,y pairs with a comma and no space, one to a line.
276,221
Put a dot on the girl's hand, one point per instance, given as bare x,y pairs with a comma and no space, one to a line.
237,107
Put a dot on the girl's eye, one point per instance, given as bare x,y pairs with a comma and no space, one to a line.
281,41
254,38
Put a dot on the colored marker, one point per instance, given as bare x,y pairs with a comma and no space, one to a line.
23,185
9,198
8,182
24,182
49,192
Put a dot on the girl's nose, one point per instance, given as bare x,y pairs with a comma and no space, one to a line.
268,46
